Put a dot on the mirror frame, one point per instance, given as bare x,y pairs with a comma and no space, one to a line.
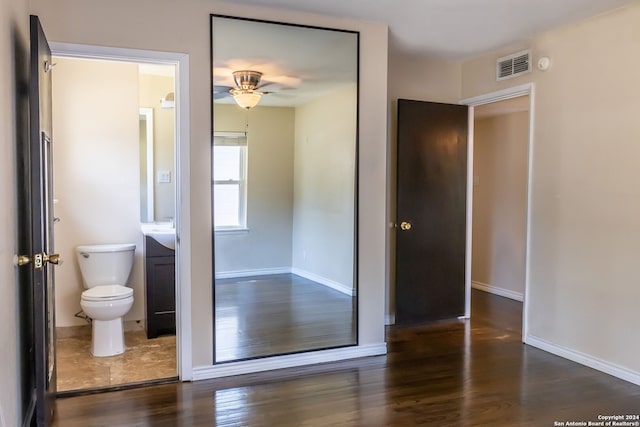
356,172
147,114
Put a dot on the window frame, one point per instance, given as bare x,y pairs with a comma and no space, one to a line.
242,142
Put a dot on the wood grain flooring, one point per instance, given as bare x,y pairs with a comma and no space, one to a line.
278,314
460,373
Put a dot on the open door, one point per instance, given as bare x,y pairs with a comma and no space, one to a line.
431,211
36,221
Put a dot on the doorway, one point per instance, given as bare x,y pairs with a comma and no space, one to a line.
104,174
498,213
464,262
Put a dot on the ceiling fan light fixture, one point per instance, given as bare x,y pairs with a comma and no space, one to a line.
246,99
247,79
169,101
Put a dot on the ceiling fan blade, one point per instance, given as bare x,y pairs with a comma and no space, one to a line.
221,89
221,95
272,87
220,92
283,95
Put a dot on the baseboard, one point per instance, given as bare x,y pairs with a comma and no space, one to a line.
497,291
324,281
584,359
256,272
85,330
73,331
287,361
133,325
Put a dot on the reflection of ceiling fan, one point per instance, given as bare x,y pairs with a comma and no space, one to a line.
245,93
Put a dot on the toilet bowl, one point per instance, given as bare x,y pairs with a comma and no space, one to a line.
105,270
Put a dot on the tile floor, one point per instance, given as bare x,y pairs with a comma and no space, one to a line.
143,360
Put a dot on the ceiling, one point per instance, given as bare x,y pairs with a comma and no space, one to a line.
454,28
298,64
303,63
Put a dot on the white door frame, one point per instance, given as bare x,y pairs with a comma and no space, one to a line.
513,92
182,179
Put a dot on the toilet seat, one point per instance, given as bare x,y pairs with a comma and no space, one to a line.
107,293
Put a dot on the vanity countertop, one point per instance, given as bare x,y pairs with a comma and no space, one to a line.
161,232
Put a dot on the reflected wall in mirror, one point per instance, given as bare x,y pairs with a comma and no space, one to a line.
284,187
157,143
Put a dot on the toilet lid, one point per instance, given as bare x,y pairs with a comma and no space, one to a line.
108,292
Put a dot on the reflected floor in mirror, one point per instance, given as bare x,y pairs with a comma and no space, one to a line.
143,360
276,314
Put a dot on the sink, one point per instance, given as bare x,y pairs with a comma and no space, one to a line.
162,232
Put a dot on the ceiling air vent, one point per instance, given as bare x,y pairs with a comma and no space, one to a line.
513,65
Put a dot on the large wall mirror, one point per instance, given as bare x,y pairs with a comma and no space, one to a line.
284,175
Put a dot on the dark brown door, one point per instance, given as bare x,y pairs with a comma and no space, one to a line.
23,231
431,211
41,216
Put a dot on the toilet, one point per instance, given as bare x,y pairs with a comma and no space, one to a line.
105,270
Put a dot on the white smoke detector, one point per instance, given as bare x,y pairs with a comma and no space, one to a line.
544,63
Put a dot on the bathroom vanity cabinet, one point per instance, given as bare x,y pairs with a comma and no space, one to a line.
160,273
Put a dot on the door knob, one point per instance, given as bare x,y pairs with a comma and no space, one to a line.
53,259
404,225
21,260
38,260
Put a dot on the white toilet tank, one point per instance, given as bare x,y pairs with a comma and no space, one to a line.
105,264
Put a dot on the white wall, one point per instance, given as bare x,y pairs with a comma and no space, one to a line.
165,26
267,243
311,209
14,51
423,78
324,182
500,202
585,214
96,175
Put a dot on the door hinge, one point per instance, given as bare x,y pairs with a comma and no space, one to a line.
48,66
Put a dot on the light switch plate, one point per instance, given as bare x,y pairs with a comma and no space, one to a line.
164,177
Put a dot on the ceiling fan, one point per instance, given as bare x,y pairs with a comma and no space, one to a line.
246,93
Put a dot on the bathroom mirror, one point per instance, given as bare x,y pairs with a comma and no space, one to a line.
284,175
147,199
157,142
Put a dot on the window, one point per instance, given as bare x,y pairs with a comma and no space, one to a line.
230,180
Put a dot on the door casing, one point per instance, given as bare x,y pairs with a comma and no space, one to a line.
501,95
182,178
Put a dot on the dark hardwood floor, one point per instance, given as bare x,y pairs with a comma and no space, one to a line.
474,373
277,314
